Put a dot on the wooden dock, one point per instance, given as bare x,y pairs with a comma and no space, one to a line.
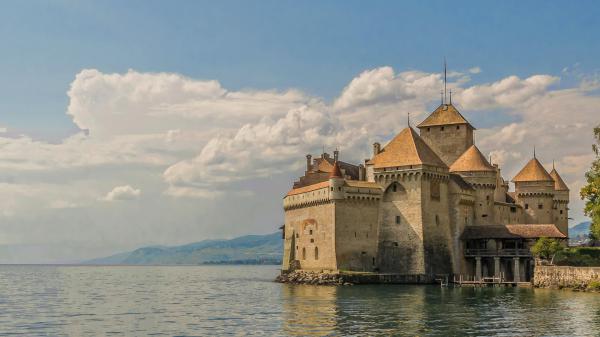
487,282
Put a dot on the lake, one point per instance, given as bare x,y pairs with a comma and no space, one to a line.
243,300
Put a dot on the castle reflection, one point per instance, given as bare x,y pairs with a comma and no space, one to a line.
426,310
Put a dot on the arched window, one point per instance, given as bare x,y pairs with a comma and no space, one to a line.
303,253
316,253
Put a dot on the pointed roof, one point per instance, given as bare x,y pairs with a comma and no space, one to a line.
471,160
407,148
533,171
445,114
324,166
336,172
559,184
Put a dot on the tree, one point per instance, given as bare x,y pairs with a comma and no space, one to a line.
591,191
546,248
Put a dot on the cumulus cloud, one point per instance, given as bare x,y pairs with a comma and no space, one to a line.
125,192
193,142
475,70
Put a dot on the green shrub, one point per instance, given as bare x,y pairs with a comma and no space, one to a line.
594,285
579,257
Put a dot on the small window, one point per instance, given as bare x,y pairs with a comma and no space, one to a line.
312,240
484,215
316,253
303,253
458,127
540,206
339,188
561,211
395,244
297,235
442,128
354,234
310,232
428,129
373,261
437,219
363,253
513,210
394,188
332,189
487,197
397,219
526,206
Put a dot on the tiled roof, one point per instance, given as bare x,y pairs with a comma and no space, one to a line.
512,231
308,188
559,184
445,114
407,148
471,160
460,182
533,171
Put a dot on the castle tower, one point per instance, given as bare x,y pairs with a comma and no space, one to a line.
534,189
477,171
414,232
447,132
561,202
336,182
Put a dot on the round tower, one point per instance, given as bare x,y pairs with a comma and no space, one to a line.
336,183
534,189
477,171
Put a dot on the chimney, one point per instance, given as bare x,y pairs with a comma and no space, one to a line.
308,158
376,148
336,154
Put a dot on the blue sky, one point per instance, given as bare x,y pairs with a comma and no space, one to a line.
314,46
194,106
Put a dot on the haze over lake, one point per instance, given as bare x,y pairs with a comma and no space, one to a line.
243,300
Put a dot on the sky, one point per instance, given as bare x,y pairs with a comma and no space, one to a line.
133,123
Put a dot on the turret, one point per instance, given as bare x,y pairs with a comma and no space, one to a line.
561,202
477,171
534,189
336,182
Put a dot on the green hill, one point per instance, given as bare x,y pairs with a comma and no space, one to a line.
249,249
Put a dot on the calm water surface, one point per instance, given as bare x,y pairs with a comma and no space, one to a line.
243,300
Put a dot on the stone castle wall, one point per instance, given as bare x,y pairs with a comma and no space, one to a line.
309,237
401,227
356,234
564,276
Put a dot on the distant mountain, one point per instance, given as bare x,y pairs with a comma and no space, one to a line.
580,230
249,249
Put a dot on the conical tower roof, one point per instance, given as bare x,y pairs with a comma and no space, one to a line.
559,183
471,160
407,148
336,172
533,171
445,114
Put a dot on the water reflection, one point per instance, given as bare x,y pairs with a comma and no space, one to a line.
433,311
243,300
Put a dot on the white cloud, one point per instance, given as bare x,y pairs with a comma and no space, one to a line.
188,144
125,192
475,70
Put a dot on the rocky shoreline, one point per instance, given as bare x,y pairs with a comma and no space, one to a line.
314,278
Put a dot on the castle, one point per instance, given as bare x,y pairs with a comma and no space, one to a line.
426,204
